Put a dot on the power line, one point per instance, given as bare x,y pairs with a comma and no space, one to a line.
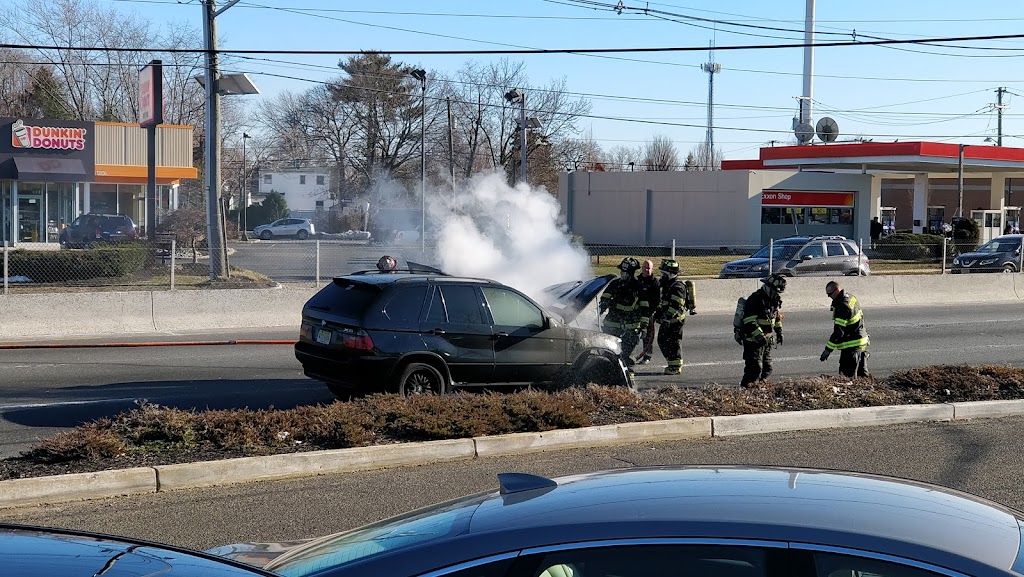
523,51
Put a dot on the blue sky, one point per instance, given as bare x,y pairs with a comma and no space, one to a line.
906,92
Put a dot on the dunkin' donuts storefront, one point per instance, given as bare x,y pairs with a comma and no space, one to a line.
52,171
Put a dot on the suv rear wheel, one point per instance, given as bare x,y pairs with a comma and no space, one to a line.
301,235
421,379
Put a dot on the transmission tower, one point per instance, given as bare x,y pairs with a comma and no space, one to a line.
712,68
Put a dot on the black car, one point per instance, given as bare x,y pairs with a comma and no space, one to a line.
422,331
1001,254
89,229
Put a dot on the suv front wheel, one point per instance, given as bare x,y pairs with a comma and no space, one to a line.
421,379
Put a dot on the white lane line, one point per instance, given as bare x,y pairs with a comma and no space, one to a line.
64,403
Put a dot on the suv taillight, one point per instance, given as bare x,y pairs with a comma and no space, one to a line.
358,340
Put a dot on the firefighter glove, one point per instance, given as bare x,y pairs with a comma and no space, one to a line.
825,354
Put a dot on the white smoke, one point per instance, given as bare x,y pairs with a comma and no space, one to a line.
488,229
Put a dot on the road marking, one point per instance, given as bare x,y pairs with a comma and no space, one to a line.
71,403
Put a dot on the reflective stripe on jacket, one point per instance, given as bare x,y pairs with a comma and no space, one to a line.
673,301
761,317
622,301
849,331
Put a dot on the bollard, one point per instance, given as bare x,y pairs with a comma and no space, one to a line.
317,285
771,250
944,255
673,249
174,250
860,254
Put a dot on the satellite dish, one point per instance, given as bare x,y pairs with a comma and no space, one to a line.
804,133
827,129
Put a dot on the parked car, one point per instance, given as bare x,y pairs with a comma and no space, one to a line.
1001,254
692,521
802,256
422,331
300,228
92,228
29,551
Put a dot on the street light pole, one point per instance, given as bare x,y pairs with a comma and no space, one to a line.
245,190
960,182
522,133
421,75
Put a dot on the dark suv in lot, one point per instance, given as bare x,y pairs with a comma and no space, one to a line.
426,332
802,256
89,229
1001,254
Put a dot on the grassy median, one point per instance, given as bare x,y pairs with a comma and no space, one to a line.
154,435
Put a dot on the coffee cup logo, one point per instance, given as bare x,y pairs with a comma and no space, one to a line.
20,132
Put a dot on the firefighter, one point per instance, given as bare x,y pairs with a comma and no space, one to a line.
622,302
677,297
650,297
849,334
762,329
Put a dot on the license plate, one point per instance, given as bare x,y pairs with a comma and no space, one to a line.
323,336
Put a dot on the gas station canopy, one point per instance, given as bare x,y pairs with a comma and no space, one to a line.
888,158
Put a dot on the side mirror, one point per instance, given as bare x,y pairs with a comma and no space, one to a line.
806,257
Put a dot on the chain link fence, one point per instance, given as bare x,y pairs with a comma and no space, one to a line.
167,265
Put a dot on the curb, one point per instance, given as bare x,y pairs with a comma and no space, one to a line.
143,480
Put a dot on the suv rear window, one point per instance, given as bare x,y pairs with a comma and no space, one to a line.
117,221
345,297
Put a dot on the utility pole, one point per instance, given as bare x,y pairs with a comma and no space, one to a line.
214,229
522,143
451,147
999,115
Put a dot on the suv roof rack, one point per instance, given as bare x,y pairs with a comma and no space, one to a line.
412,268
829,237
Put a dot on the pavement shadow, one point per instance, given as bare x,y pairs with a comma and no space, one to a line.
73,406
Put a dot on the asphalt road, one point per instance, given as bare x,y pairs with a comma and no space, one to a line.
44,391
984,457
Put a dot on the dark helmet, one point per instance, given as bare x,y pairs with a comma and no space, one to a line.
387,264
629,264
776,282
670,266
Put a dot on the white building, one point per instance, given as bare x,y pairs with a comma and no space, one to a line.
305,189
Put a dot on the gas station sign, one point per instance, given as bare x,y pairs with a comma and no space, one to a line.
806,198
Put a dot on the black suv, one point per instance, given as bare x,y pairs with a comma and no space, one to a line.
1001,254
89,229
422,331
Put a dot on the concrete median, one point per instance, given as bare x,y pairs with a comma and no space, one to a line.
993,287
228,309
63,315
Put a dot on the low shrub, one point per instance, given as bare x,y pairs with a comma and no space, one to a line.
909,246
108,261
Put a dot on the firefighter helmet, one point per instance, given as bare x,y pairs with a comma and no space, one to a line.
629,264
776,282
670,266
387,263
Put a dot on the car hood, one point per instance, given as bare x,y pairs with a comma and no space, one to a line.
569,299
746,263
982,255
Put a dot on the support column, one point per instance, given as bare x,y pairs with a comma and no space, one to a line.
920,210
87,199
997,195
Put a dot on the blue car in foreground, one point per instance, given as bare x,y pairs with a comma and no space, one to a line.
690,521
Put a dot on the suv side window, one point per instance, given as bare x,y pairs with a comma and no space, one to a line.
511,309
835,565
835,248
462,303
812,250
436,314
403,308
658,561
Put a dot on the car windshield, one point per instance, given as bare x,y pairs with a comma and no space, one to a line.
434,522
1000,245
779,250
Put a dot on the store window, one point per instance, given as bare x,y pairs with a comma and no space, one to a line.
781,215
302,179
818,215
267,179
320,179
102,199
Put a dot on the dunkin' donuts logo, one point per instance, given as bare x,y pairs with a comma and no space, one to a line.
47,137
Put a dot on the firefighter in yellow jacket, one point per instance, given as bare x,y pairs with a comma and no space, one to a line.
849,335
621,299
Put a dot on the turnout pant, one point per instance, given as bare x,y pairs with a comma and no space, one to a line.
757,362
670,336
853,362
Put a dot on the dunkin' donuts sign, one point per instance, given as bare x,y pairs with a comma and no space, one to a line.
47,137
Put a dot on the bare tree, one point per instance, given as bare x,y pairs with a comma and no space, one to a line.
660,154
701,157
623,158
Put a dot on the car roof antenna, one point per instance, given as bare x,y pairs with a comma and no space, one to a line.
519,482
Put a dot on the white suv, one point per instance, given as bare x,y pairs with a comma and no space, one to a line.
300,228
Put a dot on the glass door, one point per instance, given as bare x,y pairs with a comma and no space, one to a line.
30,212
5,211
60,206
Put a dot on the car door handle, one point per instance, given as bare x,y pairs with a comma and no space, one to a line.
437,331
500,334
